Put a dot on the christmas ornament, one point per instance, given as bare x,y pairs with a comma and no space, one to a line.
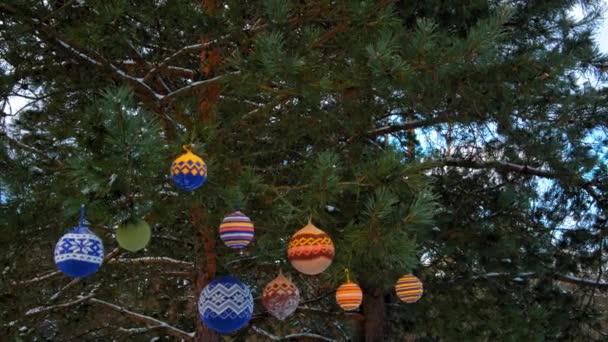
225,305
281,297
310,250
349,295
236,230
409,288
133,235
188,171
79,253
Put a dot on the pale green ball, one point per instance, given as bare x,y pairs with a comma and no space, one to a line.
133,235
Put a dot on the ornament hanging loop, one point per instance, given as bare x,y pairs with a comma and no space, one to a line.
81,224
309,219
347,273
187,148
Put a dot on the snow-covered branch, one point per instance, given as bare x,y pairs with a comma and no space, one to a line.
152,260
75,281
505,166
81,299
560,277
150,321
18,144
36,279
273,337
183,50
195,85
139,82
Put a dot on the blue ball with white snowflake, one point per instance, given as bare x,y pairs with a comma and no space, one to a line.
225,305
79,253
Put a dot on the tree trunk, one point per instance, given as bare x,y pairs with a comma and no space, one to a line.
205,266
374,310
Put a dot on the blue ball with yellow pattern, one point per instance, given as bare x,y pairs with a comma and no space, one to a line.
189,171
79,253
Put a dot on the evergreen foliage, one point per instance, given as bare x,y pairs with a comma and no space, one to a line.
457,140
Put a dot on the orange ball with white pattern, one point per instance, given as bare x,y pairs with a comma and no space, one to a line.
310,250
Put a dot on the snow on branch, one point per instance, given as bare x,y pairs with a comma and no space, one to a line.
36,279
505,166
273,337
150,321
118,71
81,299
195,85
152,260
185,49
114,253
16,143
560,277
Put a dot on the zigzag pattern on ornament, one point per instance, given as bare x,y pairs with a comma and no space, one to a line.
226,302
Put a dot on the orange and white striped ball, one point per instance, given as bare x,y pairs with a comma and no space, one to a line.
409,288
349,296
310,250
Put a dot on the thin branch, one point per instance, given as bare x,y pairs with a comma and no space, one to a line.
188,48
523,169
399,127
272,337
115,252
194,86
81,299
37,279
152,260
157,324
19,144
560,277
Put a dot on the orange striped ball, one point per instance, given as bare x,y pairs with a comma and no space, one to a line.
349,296
409,288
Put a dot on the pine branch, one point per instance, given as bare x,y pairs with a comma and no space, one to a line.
157,324
16,143
194,86
272,337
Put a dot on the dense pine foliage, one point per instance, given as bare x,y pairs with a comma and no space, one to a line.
463,141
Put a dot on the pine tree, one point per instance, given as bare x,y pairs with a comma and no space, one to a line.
454,140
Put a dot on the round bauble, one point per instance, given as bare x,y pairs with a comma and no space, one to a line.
225,305
133,235
409,288
189,171
310,250
349,296
281,297
236,230
79,253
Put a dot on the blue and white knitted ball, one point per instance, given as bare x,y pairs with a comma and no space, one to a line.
225,305
79,253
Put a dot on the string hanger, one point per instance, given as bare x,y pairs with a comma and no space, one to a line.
347,274
186,148
81,224
309,219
